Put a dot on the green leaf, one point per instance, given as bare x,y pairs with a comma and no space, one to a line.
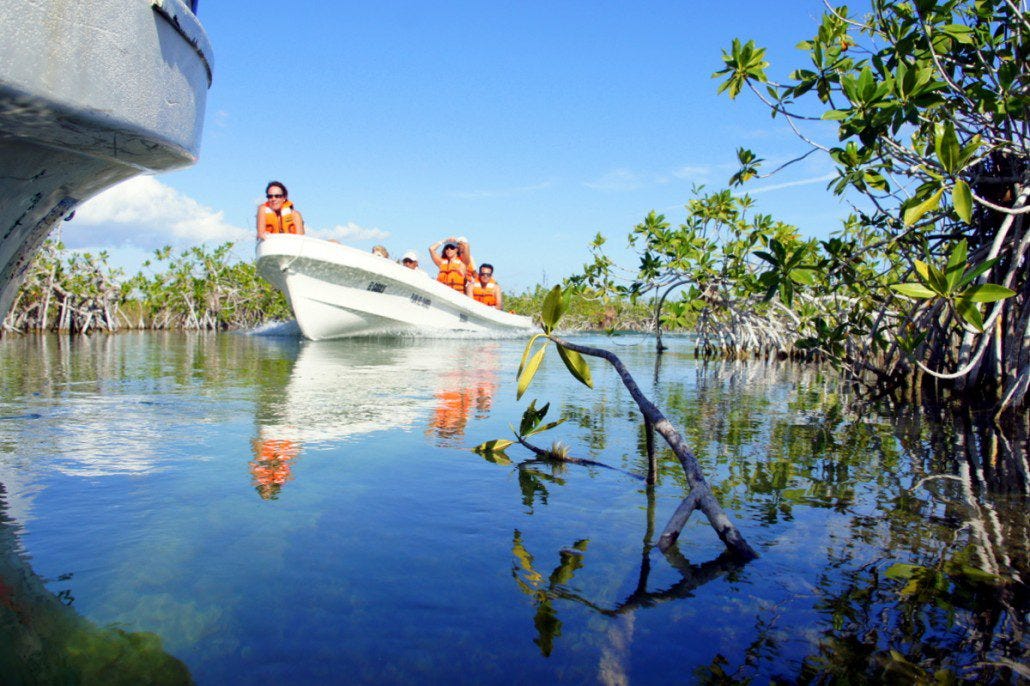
545,427
901,571
807,277
495,446
960,32
525,354
787,292
530,371
913,290
969,311
976,271
987,293
977,575
531,417
836,115
915,212
554,307
956,265
962,199
577,365
946,146
937,280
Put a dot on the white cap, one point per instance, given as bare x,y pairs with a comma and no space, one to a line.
410,255
462,239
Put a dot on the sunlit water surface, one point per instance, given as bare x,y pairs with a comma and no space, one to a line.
281,511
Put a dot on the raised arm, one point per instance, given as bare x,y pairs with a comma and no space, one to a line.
434,255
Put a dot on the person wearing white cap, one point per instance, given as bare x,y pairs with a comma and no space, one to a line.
410,260
465,255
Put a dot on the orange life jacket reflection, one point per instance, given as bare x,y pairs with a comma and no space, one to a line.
486,294
452,412
273,461
452,274
284,222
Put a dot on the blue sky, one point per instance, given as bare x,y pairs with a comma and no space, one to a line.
526,126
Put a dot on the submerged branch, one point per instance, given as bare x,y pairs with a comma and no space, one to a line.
706,500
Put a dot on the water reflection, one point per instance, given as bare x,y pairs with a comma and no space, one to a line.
466,383
321,393
272,463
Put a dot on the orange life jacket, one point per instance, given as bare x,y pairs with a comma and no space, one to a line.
284,222
486,294
451,274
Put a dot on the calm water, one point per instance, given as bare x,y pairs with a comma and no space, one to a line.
281,511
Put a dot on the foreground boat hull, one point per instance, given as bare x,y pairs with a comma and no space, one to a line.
84,106
337,291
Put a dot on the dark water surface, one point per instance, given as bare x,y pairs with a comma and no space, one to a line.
280,511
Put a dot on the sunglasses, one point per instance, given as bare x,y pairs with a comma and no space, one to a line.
274,195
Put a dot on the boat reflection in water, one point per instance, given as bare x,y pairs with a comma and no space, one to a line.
272,463
467,384
337,390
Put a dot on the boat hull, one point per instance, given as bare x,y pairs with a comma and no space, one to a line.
84,106
337,291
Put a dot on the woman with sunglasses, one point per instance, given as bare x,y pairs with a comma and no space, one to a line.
452,269
277,214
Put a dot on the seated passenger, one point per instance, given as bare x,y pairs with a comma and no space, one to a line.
485,289
465,255
452,269
278,215
410,260
381,251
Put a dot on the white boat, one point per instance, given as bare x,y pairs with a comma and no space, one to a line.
337,291
91,93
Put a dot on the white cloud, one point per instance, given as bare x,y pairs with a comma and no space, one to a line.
693,172
143,212
353,232
617,180
629,180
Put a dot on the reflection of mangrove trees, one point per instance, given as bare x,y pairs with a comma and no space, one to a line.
921,577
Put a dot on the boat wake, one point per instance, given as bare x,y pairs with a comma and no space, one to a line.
290,329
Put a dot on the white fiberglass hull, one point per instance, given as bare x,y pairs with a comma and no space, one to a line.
91,93
337,291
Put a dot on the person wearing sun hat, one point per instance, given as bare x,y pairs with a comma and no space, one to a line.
452,269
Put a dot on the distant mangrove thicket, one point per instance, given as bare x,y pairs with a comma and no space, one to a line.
198,288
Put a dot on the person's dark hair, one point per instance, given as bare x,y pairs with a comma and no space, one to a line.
450,245
487,265
286,193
